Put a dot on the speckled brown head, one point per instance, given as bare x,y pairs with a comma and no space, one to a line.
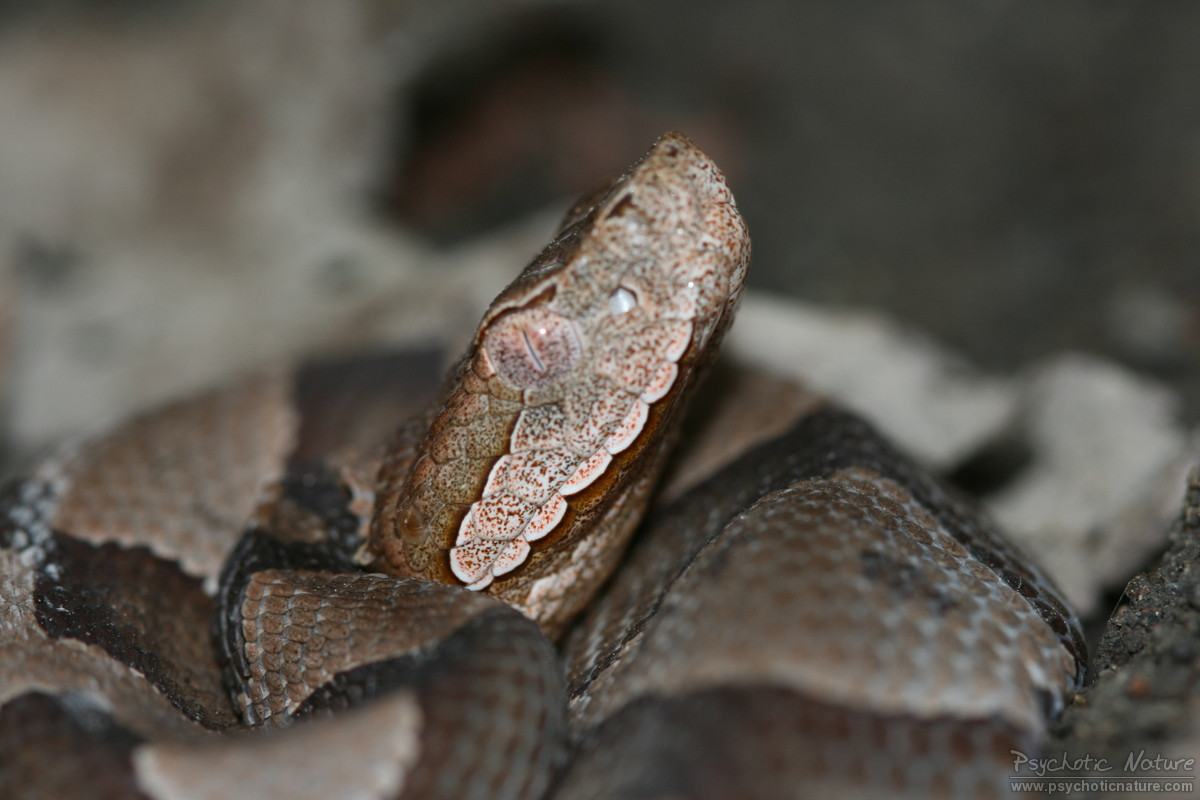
538,464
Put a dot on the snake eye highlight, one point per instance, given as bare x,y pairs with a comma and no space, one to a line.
532,347
622,301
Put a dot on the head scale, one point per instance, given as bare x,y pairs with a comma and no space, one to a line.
575,372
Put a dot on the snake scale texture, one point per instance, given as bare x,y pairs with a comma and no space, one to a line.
356,579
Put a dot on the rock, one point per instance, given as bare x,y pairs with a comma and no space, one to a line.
929,400
1144,697
1108,455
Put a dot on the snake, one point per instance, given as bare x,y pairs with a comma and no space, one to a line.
355,578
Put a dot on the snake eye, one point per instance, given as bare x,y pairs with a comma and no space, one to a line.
621,301
531,347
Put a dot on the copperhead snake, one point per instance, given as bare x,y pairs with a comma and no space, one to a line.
245,594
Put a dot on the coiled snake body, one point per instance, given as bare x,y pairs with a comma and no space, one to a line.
816,617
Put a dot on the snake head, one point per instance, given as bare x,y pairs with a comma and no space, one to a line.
574,376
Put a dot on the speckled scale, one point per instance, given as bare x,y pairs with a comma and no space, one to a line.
528,473
541,427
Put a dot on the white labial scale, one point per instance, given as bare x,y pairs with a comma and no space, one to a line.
588,472
605,411
536,475
482,583
630,427
498,517
513,556
472,562
660,383
481,554
465,534
548,516
679,333
478,562
498,477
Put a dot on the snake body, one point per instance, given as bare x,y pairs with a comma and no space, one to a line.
816,616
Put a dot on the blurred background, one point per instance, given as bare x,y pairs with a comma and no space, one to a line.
190,188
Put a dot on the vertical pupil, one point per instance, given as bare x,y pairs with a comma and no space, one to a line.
532,350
